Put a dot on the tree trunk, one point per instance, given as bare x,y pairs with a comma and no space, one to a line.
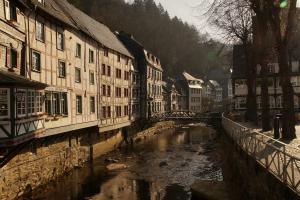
289,122
266,125
261,55
251,113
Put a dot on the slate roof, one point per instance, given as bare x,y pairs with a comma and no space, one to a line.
52,9
214,83
189,77
93,28
135,47
12,79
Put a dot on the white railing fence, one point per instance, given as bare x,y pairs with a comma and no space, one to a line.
282,160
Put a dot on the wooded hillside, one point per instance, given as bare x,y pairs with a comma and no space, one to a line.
178,44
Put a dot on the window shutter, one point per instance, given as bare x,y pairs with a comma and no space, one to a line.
17,60
8,60
7,10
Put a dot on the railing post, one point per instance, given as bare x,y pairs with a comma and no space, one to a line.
284,166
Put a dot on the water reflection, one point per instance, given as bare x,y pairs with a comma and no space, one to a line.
160,169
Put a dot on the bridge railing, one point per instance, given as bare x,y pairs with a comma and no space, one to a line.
282,160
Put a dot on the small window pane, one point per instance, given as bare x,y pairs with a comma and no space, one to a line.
36,61
4,102
77,75
79,104
62,69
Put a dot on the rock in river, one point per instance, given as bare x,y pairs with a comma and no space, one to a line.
112,167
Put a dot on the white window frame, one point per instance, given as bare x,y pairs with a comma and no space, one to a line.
40,33
92,107
60,42
60,64
23,102
7,9
35,67
31,102
92,77
77,69
79,105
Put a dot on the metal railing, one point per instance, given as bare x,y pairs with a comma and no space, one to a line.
280,159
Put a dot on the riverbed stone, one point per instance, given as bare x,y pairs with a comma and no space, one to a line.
113,167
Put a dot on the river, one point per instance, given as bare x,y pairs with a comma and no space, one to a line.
163,167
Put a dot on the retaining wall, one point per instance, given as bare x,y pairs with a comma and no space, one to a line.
47,159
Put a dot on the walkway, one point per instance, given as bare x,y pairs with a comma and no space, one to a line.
280,158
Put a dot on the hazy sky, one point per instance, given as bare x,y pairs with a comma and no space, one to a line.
190,11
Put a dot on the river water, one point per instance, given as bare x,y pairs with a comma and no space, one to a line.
162,168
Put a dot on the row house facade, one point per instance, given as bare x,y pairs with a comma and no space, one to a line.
240,89
61,70
193,88
151,77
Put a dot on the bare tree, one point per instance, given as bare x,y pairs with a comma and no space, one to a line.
261,45
234,18
282,21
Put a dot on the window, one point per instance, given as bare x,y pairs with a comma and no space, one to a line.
64,103
103,69
35,61
103,112
77,75
91,56
119,58
118,111
126,75
126,93
60,41
7,9
92,105
108,111
78,50
31,102
103,90
10,11
21,102
40,31
126,61
13,58
118,92
118,73
105,52
92,78
126,111
4,102
79,104
61,69
48,103
108,91
39,102
56,103
108,71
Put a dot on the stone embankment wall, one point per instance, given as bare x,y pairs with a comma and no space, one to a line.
47,159
249,180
